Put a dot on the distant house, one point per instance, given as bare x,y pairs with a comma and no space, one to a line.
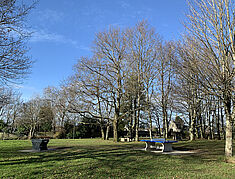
176,129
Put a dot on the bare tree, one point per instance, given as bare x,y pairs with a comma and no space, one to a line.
142,43
59,99
211,27
9,110
166,56
98,81
30,115
91,90
14,63
109,49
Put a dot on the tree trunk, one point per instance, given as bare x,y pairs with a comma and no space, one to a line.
165,122
130,127
102,132
218,123
229,129
115,130
137,126
209,123
134,118
229,139
164,108
54,125
137,119
159,126
204,127
73,130
222,122
107,133
212,126
150,125
31,133
192,126
202,134
166,127
149,114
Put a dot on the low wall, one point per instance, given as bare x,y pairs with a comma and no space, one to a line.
8,136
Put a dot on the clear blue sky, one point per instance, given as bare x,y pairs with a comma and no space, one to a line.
64,31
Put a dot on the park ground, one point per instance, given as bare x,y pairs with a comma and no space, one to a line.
95,158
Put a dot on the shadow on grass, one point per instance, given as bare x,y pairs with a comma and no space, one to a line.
113,157
114,154
117,158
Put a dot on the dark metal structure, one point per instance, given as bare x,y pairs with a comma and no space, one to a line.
40,144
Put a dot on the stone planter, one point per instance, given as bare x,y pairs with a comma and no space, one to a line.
40,144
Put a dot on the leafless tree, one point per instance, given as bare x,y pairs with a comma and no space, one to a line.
109,49
30,115
59,99
93,94
211,28
142,44
9,110
165,75
14,63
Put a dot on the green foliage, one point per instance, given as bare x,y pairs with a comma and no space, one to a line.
46,117
121,127
82,131
59,134
3,125
21,131
87,128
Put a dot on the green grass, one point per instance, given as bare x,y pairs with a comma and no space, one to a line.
94,158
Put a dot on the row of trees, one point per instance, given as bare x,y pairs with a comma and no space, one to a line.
133,75
15,65
37,117
24,118
135,78
208,62
122,78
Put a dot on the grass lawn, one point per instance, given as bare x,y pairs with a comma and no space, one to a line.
94,158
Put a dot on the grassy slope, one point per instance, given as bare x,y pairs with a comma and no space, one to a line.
87,158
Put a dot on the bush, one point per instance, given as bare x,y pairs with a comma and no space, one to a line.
3,125
60,134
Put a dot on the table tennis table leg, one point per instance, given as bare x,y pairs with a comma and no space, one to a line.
167,147
149,145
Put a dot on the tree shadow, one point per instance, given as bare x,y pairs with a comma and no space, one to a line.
119,157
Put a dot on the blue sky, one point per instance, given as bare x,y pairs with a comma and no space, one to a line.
64,31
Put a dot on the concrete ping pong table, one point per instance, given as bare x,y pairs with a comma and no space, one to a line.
166,144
